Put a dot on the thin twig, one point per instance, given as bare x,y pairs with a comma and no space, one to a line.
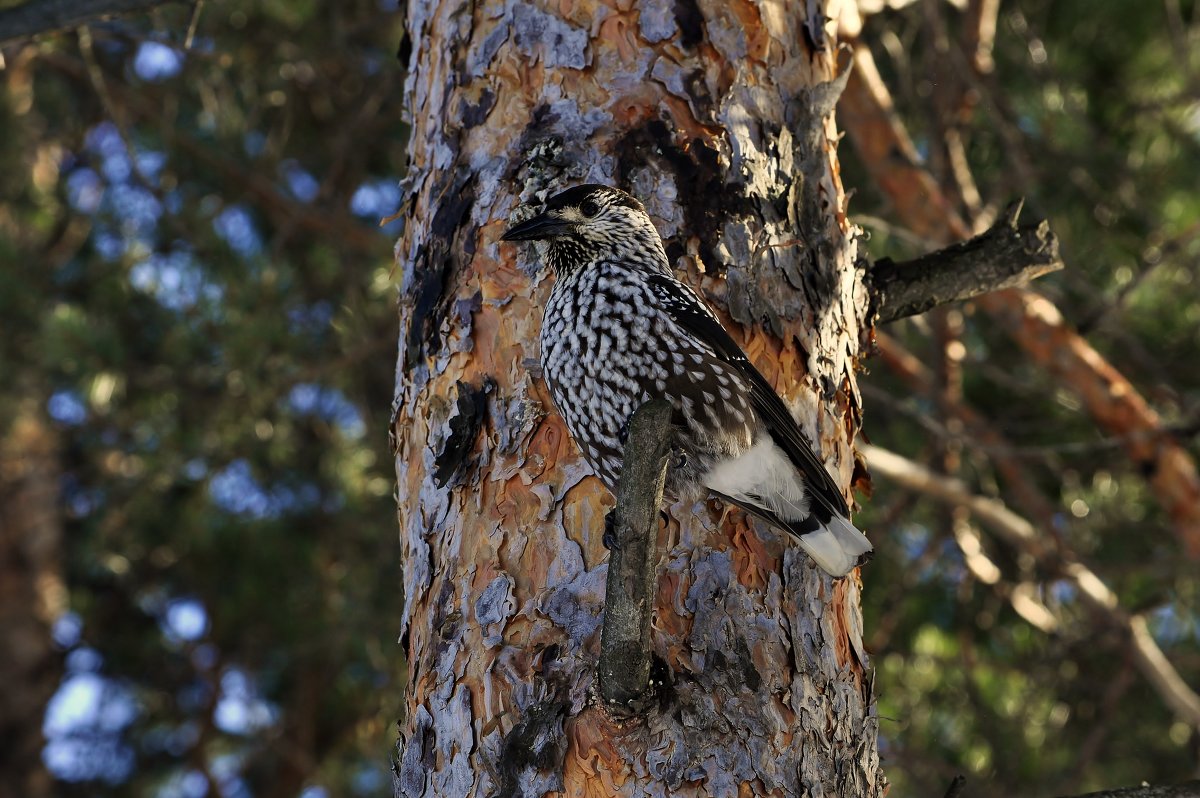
100,86
1164,253
193,24
630,590
1108,717
888,228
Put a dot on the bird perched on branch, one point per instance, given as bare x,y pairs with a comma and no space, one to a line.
619,329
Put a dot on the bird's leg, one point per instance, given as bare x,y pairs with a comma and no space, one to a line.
727,507
610,531
623,432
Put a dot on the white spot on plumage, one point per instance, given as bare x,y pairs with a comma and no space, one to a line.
764,477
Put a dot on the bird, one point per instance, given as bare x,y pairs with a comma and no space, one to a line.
619,329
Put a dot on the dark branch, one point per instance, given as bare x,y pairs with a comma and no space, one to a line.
45,16
1188,789
956,787
1005,255
629,593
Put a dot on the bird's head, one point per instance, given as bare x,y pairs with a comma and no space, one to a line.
591,222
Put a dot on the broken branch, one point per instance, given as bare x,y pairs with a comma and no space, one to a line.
630,589
1005,255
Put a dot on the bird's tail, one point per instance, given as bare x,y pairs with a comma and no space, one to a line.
836,546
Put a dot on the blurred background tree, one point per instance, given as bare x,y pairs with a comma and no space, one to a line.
197,558
198,317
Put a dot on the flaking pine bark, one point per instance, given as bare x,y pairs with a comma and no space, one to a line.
717,115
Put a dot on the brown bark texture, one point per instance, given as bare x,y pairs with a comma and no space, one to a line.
716,115
32,594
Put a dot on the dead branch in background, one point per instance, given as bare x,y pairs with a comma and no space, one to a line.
1029,319
1117,407
1021,535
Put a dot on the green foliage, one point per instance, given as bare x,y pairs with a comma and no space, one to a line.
195,288
1091,115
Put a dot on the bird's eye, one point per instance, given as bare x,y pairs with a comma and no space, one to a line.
589,208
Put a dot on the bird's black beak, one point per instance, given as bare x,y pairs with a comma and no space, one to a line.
541,226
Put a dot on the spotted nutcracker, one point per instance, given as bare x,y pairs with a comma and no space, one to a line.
619,329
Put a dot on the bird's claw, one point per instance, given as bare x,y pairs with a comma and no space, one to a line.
610,531
623,432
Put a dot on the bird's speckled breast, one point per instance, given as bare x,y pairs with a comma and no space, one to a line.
608,346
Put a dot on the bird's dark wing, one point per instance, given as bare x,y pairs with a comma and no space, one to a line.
689,311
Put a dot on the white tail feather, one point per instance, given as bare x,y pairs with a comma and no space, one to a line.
837,546
763,476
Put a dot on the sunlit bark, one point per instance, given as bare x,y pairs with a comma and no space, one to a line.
716,115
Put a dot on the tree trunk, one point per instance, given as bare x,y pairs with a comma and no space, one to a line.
716,115
32,595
